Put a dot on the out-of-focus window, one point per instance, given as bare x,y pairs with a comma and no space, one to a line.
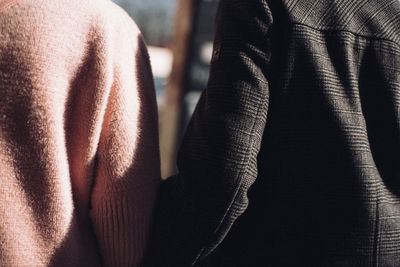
154,18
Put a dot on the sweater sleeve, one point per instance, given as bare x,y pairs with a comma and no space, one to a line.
128,167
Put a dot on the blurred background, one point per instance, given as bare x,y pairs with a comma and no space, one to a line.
179,35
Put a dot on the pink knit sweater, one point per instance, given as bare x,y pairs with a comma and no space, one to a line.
79,159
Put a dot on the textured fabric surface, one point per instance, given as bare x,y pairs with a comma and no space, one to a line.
295,143
79,159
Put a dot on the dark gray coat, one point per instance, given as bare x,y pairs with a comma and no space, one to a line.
292,157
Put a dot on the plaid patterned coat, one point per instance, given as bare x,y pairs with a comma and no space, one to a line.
292,157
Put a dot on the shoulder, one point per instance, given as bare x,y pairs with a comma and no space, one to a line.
79,16
72,17
374,18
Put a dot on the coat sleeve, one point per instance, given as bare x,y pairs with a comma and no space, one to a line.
128,166
217,160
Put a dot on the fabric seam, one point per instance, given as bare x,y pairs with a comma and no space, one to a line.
348,31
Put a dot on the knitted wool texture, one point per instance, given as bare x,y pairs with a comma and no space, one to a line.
79,154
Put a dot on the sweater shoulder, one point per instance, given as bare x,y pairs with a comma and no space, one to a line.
73,16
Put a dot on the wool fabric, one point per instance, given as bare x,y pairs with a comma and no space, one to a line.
292,156
79,157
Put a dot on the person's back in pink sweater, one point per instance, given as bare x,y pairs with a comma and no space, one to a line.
79,158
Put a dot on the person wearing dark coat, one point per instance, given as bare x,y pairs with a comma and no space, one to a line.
292,156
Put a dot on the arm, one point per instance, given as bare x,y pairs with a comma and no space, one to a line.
218,158
128,168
